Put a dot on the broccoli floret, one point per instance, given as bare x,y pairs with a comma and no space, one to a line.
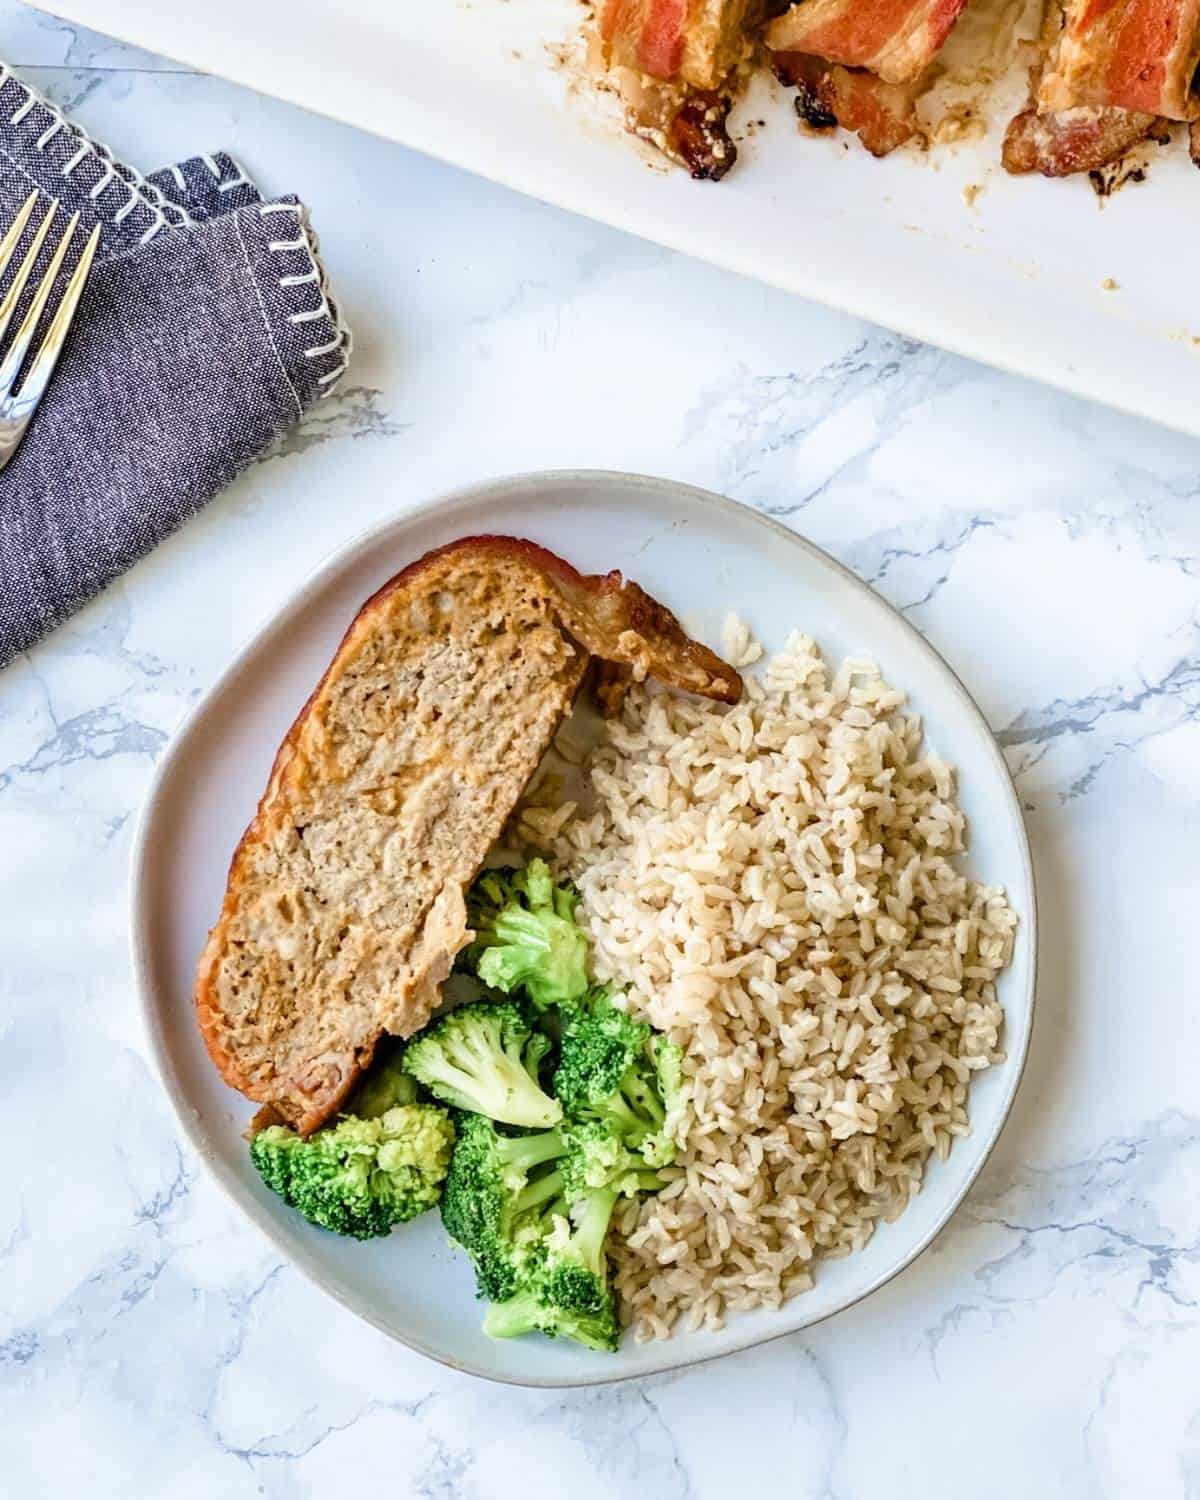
385,1086
500,1198
526,935
485,1058
504,1193
614,1069
360,1177
564,1288
597,1157
600,1044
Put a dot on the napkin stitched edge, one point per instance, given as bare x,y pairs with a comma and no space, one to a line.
144,211
90,170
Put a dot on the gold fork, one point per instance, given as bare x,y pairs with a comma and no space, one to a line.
16,410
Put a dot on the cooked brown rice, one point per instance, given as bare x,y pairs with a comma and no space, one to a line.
777,884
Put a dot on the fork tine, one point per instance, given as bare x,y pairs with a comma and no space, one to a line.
13,295
10,241
40,371
19,347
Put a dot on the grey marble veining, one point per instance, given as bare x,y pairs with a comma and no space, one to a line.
152,1344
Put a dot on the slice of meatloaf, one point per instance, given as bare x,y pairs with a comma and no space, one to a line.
344,907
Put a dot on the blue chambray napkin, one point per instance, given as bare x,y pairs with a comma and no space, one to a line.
206,330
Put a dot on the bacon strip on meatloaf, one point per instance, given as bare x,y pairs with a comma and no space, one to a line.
1137,55
894,39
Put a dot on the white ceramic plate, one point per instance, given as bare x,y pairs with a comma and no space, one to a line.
1032,276
701,555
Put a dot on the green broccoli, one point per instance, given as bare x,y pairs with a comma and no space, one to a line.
597,1157
359,1177
564,1287
500,1197
485,1058
385,1086
600,1044
616,1070
668,1063
526,935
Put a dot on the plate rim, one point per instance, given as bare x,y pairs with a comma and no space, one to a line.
622,486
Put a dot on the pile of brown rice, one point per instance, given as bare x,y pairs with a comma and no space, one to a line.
777,883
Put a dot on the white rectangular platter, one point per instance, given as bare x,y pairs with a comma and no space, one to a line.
1038,277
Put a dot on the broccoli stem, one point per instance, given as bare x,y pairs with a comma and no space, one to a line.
541,1190
520,1314
591,1229
643,1098
649,1181
634,1111
524,1152
501,1089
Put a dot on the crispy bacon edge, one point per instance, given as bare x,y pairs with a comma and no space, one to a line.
1073,140
698,134
882,115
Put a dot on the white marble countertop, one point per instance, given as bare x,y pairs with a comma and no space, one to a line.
153,1345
